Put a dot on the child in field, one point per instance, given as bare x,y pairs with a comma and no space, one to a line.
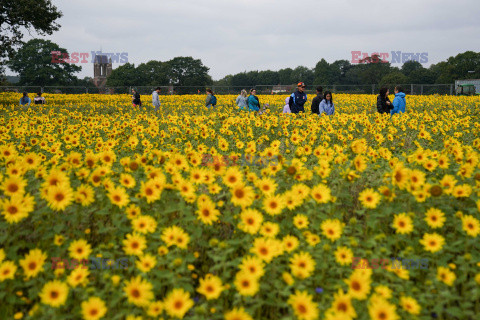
399,103
286,107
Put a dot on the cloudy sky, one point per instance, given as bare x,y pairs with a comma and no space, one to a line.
242,35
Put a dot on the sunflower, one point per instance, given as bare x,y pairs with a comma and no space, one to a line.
369,198
56,178
273,204
127,180
342,306
54,293
269,229
462,191
321,193
300,221
207,213
13,209
303,305
432,242
246,283
381,309
134,244
250,221
13,185
177,303
402,223
59,197
78,277
290,243
197,175
33,262
252,265
359,285
144,224
266,248
149,191
146,263
383,291
84,195
302,265
410,305
133,211
332,229
118,196
232,177
446,276
242,196
237,314
139,291
175,236
267,186
7,270
435,218
344,256
80,249
155,309
211,287
470,225
93,309
400,176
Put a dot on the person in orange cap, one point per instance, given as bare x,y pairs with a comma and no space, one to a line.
298,99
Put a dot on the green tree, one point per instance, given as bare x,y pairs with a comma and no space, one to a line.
393,78
411,66
124,75
458,67
34,63
285,76
186,71
153,73
303,74
322,72
20,16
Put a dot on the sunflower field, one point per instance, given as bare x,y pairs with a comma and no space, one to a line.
114,212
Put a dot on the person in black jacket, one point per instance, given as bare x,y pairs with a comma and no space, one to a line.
136,99
316,101
383,103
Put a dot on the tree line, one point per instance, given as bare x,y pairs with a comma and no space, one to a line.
341,72
33,62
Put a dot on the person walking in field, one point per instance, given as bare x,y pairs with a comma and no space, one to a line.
298,99
327,106
286,107
241,100
25,100
136,102
39,99
316,101
156,99
384,105
399,102
253,102
211,100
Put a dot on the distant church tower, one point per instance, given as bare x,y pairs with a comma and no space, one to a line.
102,68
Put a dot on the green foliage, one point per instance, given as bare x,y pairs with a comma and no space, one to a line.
34,64
18,16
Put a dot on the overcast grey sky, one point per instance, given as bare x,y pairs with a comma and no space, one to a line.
242,35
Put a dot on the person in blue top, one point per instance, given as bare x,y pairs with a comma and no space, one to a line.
399,102
298,99
25,100
326,105
253,102
241,100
